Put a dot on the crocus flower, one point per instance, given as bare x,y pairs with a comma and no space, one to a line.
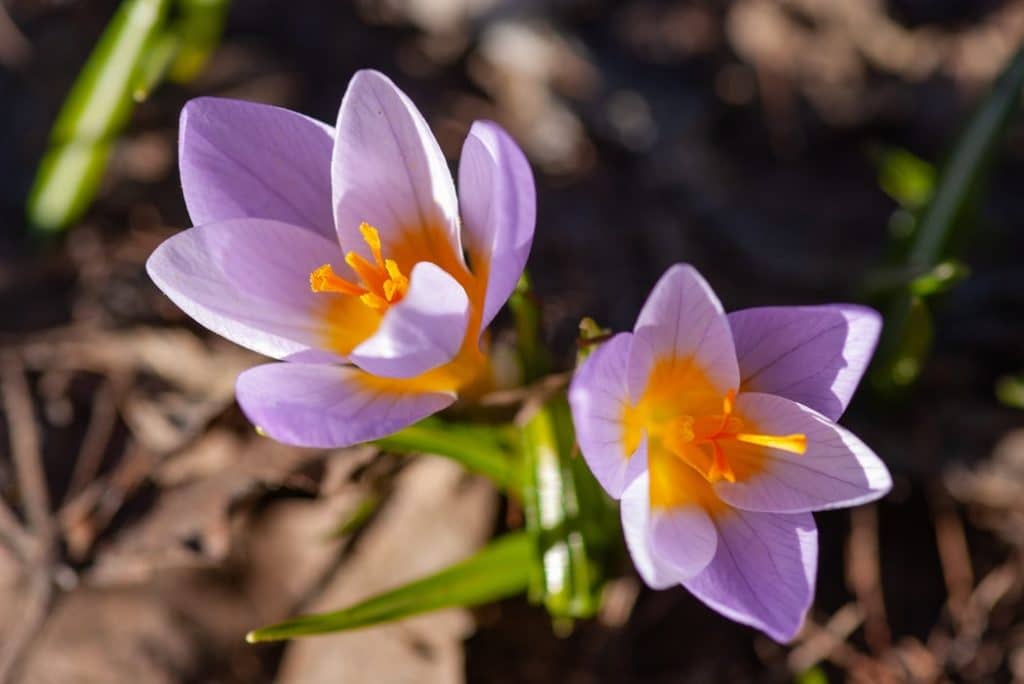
343,252
717,432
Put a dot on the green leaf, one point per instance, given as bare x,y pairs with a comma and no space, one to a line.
591,335
1010,391
533,355
815,675
971,156
572,523
199,29
498,571
906,178
486,450
940,233
902,365
95,110
939,279
154,64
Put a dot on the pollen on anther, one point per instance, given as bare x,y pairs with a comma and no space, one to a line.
324,279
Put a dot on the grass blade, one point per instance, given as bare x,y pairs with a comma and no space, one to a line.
199,29
498,571
97,106
939,233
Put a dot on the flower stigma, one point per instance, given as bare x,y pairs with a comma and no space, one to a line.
382,282
707,434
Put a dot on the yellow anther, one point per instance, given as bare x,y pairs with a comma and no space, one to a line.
392,268
324,279
367,272
372,238
381,281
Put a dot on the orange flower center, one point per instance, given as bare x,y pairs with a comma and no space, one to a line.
695,436
381,282
707,434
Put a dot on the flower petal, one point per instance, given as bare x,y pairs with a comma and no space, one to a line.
635,509
422,331
246,160
599,398
837,470
329,406
388,170
763,571
815,355
667,545
248,280
683,538
683,318
499,209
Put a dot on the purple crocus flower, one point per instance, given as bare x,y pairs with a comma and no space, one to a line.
717,432
341,252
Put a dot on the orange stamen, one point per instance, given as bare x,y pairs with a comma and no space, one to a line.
324,279
382,282
372,239
711,430
366,271
374,301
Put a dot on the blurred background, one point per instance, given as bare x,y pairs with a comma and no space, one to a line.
790,149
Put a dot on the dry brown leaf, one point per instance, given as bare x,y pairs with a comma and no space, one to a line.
190,523
437,516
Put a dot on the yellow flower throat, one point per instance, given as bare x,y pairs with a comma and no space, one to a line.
707,433
686,419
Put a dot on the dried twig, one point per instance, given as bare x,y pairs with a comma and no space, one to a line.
954,554
12,534
25,448
28,464
97,436
863,574
828,641
89,512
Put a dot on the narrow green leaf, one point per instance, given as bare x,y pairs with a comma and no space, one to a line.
571,521
199,29
939,279
482,449
154,64
97,106
902,365
533,355
498,571
970,157
939,234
